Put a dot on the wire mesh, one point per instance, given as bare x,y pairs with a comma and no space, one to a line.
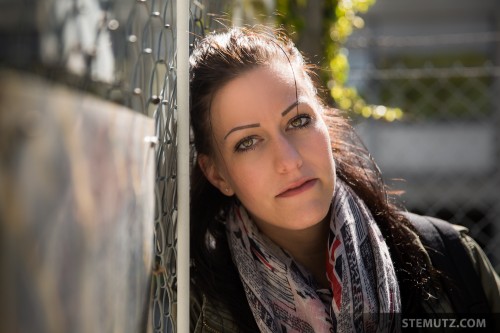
447,146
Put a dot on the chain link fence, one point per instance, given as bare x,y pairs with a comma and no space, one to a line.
446,146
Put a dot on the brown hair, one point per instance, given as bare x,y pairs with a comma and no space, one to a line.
216,60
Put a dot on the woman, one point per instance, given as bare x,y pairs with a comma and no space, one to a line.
292,227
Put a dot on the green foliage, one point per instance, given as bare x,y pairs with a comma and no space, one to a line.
340,18
289,14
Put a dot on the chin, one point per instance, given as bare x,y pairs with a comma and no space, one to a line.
308,220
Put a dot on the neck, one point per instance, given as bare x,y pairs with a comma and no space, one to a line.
308,247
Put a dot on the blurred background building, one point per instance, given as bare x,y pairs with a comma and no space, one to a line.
439,61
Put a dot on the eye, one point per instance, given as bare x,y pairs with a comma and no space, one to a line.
246,144
300,121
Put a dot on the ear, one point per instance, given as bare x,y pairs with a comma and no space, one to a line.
213,174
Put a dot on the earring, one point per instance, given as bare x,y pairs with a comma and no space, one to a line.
227,189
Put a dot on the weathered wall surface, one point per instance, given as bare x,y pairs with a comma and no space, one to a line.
77,182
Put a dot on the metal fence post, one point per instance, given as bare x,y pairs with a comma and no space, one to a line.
182,33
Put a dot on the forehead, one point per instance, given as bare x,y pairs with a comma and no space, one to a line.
263,86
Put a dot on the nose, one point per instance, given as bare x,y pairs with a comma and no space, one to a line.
287,156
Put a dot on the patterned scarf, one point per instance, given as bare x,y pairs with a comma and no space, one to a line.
363,296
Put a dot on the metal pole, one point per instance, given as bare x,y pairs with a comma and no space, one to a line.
182,36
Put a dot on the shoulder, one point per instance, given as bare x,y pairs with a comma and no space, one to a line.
208,316
485,271
195,309
453,251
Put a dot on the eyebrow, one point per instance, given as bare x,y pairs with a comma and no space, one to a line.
290,108
284,113
241,127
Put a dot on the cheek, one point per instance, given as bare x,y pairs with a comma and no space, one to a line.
247,179
319,146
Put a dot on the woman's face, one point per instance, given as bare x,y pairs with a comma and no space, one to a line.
272,149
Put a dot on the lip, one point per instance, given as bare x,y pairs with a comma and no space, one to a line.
297,187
